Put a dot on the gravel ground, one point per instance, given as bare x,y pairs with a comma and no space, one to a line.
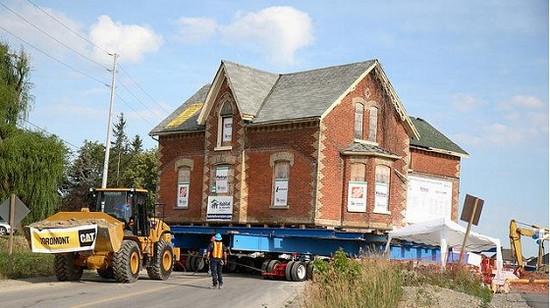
436,297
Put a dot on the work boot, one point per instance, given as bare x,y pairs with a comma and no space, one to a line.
220,286
213,286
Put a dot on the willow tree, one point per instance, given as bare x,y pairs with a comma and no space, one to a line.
32,164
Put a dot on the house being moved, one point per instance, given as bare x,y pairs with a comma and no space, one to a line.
331,147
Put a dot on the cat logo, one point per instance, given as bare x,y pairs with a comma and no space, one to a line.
86,237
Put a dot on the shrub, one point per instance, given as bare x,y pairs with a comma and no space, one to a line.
25,265
350,283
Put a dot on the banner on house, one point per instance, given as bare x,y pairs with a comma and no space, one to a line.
357,197
183,195
222,180
381,196
227,129
281,193
57,240
220,208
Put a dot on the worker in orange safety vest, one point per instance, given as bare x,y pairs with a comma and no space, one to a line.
217,257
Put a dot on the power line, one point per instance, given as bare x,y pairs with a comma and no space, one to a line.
55,59
68,28
133,109
44,130
142,89
52,37
137,98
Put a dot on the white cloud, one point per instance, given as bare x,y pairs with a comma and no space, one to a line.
466,103
130,41
278,31
197,29
522,101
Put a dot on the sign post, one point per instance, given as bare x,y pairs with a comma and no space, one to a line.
470,213
14,210
11,222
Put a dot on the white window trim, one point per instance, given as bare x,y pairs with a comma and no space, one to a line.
363,141
383,212
219,146
272,204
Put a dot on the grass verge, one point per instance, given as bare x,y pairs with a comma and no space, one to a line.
23,263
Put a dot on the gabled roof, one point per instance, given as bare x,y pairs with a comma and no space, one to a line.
262,97
249,85
185,117
309,94
433,140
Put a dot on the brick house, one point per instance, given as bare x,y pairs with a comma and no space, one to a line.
330,147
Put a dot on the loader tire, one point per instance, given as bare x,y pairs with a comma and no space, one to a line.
106,273
163,261
127,262
66,268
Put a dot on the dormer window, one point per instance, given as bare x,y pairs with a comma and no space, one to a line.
225,125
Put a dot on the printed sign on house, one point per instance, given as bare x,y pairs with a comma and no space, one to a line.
281,193
183,195
357,197
381,193
222,180
227,129
220,208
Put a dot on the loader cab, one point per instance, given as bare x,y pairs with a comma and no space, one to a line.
129,205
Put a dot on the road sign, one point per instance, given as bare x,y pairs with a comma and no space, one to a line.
470,213
21,211
472,206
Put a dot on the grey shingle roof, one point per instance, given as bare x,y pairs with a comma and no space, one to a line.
185,117
431,138
358,147
250,85
310,93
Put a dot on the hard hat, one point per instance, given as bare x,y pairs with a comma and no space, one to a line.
218,237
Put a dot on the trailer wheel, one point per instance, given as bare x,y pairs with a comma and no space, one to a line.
298,271
288,270
189,263
163,261
199,264
65,267
106,272
265,264
309,270
127,262
271,265
231,265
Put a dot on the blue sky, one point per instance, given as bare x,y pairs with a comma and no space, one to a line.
477,70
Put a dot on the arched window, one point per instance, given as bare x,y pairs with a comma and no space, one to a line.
225,125
373,123
184,183
358,127
382,189
281,171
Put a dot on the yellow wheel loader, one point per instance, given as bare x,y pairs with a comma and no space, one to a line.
115,235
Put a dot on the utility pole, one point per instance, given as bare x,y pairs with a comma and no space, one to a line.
109,123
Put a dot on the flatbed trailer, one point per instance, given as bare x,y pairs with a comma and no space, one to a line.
282,252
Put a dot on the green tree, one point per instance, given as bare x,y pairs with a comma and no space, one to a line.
118,160
136,145
32,165
84,173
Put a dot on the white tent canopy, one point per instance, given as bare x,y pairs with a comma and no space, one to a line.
445,233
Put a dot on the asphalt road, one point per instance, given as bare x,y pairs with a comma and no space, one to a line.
181,290
536,300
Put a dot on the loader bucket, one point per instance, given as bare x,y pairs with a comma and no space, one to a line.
76,231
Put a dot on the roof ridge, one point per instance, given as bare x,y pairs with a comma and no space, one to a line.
329,67
268,94
249,67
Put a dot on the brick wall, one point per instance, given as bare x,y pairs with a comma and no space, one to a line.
174,148
336,134
298,141
445,167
